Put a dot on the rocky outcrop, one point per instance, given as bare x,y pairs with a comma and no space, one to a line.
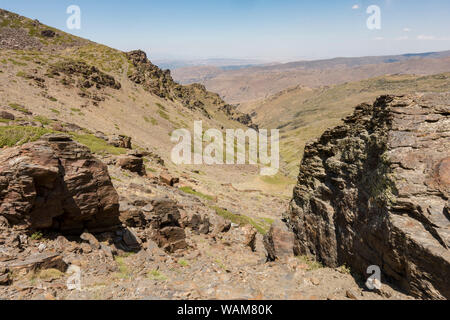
56,184
195,96
375,191
87,76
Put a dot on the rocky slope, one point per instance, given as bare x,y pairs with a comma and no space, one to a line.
375,191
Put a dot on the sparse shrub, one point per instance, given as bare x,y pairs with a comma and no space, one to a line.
311,263
183,263
189,190
37,236
19,108
156,275
18,135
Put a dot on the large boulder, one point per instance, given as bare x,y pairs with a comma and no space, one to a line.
279,242
57,184
375,190
132,163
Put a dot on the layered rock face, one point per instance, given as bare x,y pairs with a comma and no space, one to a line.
375,191
195,96
56,184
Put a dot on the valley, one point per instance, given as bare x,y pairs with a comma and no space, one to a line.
89,192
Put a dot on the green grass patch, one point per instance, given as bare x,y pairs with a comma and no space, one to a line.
183,263
21,74
43,120
50,274
156,275
278,180
37,236
262,227
97,145
189,190
17,135
124,272
310,262
151,120
163,115
161,107
19,108
55,111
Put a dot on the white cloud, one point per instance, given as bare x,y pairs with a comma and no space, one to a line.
402,38
425,37
379,38
406,30
430,37
355,7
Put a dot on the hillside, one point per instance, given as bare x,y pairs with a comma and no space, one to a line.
304,113
92,207
259,82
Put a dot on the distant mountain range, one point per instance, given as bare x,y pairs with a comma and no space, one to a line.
248,83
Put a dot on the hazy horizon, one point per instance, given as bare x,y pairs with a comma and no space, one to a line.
262,30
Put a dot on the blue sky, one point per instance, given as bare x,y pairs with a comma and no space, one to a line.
275,30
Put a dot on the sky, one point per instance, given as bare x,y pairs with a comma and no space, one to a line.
269,30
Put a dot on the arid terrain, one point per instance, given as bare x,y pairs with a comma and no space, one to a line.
260,82
88,191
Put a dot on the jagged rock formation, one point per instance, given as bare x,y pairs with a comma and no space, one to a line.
87,76
56,184
195,96
375,191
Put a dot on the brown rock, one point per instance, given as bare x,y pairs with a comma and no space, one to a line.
120,141
86,236
7,115
351,295
132,163
250,236
37,262
279,241
168,179
374,191
165,221
131,216
56,183
5,279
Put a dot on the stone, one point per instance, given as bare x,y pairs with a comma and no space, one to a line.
132,164
6,115
375,190
250,236
168,179
37,262
351,295
131,239
86,236
132,216
42,247
48,33
5,279
57,184
166,223
119,141
279,241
